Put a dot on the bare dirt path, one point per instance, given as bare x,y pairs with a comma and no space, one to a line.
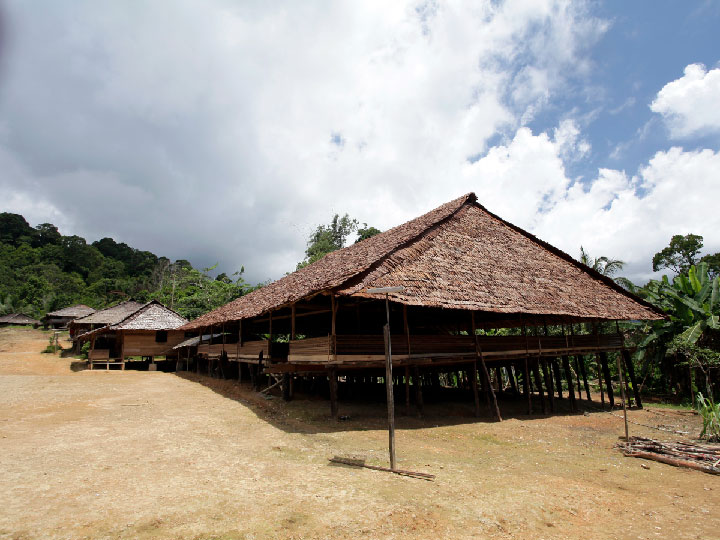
154,455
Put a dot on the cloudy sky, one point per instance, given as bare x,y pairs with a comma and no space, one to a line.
223,131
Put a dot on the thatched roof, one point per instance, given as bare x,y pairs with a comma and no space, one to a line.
458,256
76,311
17,318
151,316
111,315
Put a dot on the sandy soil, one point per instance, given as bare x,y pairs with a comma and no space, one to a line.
154,455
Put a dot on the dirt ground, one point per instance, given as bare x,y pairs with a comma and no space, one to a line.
156,455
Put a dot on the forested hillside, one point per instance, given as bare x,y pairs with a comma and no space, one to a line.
41,270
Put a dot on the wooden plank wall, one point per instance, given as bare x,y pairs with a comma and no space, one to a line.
142,343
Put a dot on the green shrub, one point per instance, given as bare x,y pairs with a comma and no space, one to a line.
710,413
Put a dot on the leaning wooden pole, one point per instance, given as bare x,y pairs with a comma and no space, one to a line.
479,356
627,359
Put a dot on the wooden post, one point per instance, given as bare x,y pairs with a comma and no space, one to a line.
622,395
406,324
583,372
627,359
558,376
511,378
479,355
569,379
122,348
538,383
526,373
526,385
332,374
600,379
576,363
608,379
418,391
498,376
547,374
292,321
407,390
389,387
474,382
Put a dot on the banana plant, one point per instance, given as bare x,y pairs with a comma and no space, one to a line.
692,303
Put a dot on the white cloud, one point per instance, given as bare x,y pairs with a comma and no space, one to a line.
205,131
625,217
690,105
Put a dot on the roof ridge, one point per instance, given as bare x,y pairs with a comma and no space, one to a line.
307,280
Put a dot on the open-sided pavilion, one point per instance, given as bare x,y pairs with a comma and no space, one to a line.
459,274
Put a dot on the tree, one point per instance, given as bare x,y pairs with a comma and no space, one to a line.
604,265
692,303
680,255
328,238
713,262
46,234
14,230
366,232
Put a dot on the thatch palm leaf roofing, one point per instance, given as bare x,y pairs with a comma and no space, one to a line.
79,310
111,315
458,256
151,316
17,318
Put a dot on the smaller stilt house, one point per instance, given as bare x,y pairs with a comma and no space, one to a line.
18,319
148,332
61,318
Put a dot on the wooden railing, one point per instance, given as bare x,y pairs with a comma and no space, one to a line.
371,348
250,350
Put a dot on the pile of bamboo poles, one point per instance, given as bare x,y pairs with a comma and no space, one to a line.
701,457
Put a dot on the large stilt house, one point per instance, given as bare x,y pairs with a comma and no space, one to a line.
457,274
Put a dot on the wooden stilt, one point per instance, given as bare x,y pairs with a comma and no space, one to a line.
538,384
332,375
418,391
474,383
498,376
407,390
558,376
600,379
547,375
569,379
511,378
526,386
583,372
576,361
608,379
627,359
479,356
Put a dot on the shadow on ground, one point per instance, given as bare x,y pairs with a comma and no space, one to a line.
310,414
